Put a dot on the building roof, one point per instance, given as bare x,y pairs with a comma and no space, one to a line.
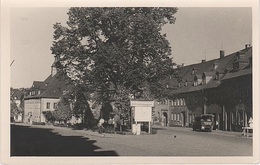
242,72
224,66
54,87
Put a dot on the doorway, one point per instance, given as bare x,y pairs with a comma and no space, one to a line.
165,119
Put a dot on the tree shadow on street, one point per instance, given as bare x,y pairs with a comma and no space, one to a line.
27,141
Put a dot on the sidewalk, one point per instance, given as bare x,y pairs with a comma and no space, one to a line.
216,132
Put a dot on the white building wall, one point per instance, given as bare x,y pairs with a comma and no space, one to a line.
32,110
44,102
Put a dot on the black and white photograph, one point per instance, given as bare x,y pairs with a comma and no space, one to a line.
129,83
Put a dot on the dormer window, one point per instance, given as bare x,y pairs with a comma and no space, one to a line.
236,66
197,80
195,83
193,71
204,81
39,92
32,93
215,66
186,83
64,92
206,77
250,62
217,76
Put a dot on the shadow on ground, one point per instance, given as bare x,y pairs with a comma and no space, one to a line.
27,141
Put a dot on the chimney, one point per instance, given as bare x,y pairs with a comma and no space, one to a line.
247,46
202,61
53,70
222,54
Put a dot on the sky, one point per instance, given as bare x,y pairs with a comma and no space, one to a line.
198,34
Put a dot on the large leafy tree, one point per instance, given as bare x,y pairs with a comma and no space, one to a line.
122,49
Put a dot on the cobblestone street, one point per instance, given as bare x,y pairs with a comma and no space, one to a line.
30,140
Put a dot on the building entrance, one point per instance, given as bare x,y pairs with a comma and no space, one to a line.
165,119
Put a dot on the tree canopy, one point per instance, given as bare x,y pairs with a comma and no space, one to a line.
119,48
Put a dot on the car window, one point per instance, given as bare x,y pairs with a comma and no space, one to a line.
206,118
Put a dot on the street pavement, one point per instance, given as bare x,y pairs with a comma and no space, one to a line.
33,140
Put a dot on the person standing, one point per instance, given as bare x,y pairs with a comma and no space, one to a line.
100,126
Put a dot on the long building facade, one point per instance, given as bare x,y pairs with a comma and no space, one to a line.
222,87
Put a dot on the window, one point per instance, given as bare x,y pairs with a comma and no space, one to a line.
178,117
33,93
48,105
217,76
178,102
195,83
174,116
39,92
64,92
215,66
54,105
181,103
204,81
172,102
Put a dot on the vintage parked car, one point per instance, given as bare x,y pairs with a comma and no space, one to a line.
204,122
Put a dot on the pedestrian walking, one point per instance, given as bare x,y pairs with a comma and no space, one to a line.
100,126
